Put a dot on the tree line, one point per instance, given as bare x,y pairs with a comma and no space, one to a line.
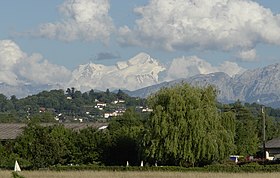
187,127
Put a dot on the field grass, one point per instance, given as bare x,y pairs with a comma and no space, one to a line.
106,174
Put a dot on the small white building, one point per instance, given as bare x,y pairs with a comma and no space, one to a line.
100,106
147,110
118,101
121,101
112,114
103,127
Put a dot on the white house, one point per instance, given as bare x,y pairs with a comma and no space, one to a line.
118,101
112,114
100,106
272,148
147,110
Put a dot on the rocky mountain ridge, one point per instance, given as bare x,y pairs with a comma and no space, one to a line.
260,85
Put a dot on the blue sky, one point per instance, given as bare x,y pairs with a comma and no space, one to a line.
120,29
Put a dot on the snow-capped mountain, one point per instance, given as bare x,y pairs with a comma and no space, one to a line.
138,72
260,85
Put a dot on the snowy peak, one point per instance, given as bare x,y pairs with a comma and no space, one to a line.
88,70
141,58
137,72
122,65
138,60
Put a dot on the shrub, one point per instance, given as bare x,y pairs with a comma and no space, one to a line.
16,175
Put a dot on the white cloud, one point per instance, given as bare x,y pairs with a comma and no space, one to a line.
86,20
8,77
189,66
203,24
18,68
230,68
247,55
39,71
10,54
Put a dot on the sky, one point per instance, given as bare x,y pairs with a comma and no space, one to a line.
44,41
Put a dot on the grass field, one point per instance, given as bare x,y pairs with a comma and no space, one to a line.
106,174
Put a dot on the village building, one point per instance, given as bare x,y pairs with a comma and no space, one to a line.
272,148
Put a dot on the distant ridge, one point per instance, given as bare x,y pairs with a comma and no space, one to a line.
260,85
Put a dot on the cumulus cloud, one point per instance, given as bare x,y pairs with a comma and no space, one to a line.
86,20
18,68
203,24
230,68
10,54
189,66
248,55
37,70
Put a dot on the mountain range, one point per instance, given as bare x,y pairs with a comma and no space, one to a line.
261,85
142,75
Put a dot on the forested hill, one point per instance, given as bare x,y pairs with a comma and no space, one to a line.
70,105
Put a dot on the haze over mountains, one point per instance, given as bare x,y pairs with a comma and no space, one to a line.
144,75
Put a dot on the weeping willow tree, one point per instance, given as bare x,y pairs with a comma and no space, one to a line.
186,128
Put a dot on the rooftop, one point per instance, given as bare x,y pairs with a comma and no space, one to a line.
9,131
274,143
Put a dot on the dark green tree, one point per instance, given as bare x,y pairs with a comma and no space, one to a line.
125,132
272,126
185,127
90,144
45,146
246,138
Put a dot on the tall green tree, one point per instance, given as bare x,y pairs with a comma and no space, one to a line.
228,119
90,144
125,133
272,126
246,138
185,127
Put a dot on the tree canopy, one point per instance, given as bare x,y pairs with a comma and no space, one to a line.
186,127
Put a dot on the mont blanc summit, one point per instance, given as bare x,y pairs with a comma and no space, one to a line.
139,71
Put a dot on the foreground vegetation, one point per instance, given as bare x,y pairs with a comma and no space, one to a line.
187,128
105,174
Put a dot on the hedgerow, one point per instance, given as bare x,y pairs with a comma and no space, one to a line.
211,168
